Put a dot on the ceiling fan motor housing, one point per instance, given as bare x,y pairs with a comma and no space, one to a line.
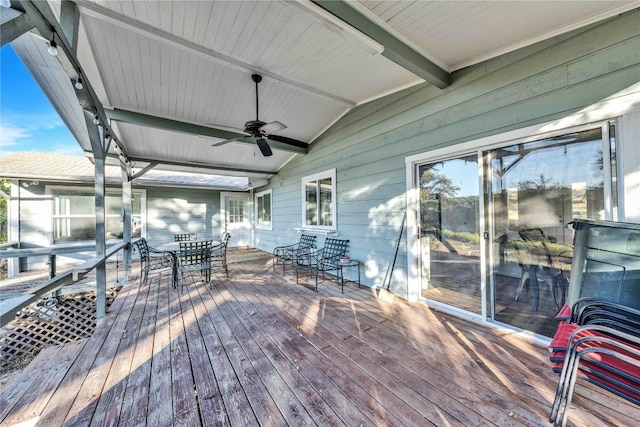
252,127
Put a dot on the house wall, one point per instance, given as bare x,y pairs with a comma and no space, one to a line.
179,210
549,81
168,211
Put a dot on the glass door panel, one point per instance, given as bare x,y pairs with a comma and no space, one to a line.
536,189
450,232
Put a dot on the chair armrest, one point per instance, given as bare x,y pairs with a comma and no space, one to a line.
332,261
156,251
309,258
217,247
286,249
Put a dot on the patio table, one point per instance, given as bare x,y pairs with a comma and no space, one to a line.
173,248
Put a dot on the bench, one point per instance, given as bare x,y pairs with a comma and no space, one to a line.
598,341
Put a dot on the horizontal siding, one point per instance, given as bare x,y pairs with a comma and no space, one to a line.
177,210
368,146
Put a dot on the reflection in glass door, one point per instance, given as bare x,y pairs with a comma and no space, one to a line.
450,232
536,188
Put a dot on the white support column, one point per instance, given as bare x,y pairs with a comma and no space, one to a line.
101,245
125,169
13,235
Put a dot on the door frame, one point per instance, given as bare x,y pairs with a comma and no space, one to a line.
481,147
414,261
224,195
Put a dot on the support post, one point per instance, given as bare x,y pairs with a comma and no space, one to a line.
127,197
101,245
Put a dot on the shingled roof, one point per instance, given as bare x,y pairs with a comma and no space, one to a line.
41,166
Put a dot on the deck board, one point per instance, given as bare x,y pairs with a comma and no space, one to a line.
257,349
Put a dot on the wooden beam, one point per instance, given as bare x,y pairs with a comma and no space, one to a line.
132,117
205,166
45,20
395,49
14,24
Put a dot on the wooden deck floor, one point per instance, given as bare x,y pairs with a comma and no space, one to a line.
258,349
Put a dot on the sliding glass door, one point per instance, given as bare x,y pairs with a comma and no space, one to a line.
493,223
450,232
536,188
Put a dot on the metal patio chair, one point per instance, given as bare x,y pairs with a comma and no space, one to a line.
283,255
533,272
152,259
219,254
185,237
195,257
323,260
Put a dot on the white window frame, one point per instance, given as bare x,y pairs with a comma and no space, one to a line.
329,174
260,224
51,189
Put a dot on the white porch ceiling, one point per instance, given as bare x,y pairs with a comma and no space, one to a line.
172,75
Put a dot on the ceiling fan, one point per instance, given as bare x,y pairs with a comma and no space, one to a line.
261,131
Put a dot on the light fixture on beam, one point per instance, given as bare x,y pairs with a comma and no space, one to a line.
78,83
53,46
5,3
96,120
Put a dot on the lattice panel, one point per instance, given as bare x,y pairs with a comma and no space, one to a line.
49,322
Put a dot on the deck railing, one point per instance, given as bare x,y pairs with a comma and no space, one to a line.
10,307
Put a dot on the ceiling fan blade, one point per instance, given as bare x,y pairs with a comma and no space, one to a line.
289,141
273,127
264,147
226,141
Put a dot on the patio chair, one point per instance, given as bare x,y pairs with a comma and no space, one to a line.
185,237
323,260
533,272
283,255
219,254
195,257
152,259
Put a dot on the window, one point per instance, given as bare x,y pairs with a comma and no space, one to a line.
235,211
263,210
74,217
319,200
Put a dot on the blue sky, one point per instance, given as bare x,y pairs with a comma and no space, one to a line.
28,122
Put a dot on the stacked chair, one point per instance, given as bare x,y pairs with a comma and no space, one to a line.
287,255
598,341
153,259
219,254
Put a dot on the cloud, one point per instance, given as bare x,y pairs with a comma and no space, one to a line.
10,135
44,132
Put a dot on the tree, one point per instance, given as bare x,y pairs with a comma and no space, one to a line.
5,190
433,184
